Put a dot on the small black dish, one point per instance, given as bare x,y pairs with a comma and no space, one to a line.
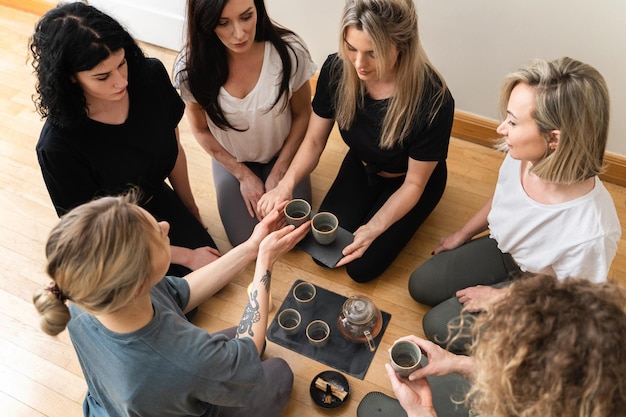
334,378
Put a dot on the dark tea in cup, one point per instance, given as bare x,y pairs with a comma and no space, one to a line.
405,357
318,333
289,320
297,212
324,228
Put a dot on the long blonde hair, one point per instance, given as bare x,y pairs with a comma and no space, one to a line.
98,258
552,348
389,22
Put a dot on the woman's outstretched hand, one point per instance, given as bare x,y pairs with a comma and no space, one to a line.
363,238
284,237
272,199
281,241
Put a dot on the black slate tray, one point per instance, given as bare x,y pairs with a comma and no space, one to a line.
339,353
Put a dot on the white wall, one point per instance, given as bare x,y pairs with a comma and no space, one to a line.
474,43
317,21
159,22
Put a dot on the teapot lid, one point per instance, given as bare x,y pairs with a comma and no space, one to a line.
359,309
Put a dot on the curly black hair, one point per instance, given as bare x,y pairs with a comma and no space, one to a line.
68,39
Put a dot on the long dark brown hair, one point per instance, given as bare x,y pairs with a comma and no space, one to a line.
206,67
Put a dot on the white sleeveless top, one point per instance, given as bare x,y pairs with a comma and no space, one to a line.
267,127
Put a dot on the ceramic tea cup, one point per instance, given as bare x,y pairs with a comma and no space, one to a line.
324,227
304,293
289,320
297,212
405,357
318,333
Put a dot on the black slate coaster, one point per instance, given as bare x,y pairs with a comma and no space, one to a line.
329,255
339,353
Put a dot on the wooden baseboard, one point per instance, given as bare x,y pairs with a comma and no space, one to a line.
38,7
615,169
474,128
483,131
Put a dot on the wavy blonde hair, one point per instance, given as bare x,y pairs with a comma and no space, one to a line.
552,348
389,22
572,97
98,257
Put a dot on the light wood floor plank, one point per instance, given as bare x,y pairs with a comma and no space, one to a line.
37,396
14,408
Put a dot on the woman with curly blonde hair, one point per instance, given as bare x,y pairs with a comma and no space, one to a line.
558,350
551,348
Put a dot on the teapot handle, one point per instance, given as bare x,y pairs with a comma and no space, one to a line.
370,340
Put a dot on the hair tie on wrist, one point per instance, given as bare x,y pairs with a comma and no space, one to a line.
54,289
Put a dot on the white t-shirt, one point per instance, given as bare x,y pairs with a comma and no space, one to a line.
577,238
267,127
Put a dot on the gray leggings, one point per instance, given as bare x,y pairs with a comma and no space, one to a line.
269,398
436,281
233,212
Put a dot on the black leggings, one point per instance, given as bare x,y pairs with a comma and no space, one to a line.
355,202
185,230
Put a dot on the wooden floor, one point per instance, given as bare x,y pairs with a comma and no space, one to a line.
40,375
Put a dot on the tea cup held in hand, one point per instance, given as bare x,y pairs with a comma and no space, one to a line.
324,228
405,357
289,320
318,333
297,212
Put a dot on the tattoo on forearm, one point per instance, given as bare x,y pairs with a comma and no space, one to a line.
250,316
266,280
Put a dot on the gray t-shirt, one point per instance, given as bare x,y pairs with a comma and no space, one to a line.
170,367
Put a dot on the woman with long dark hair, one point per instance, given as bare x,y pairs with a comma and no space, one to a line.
246,83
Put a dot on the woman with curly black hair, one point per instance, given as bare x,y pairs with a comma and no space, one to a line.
111,124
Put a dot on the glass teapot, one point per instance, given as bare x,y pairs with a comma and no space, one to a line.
360,321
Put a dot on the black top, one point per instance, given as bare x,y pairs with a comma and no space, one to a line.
425,142
101,159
